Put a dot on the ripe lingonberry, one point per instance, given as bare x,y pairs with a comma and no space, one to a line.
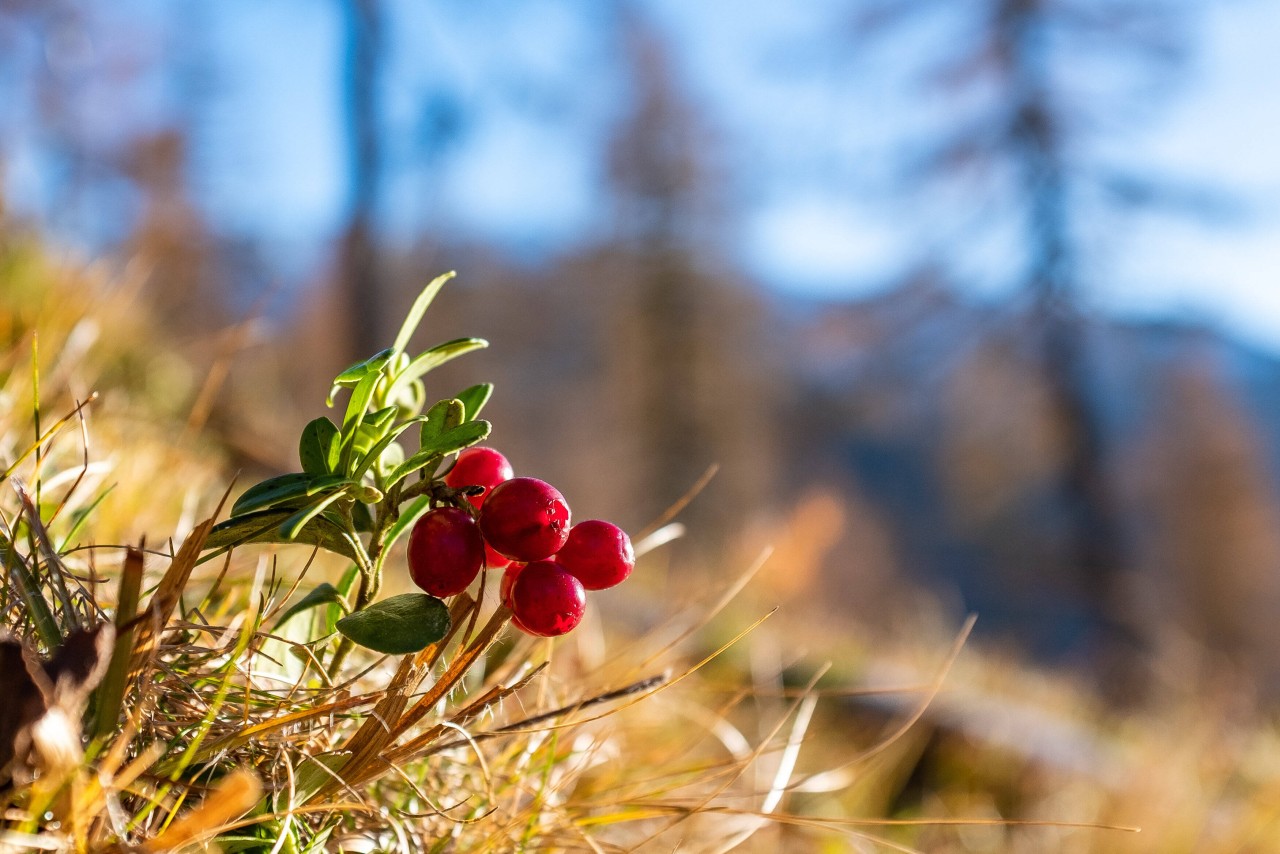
598,554
525,519
546,600
479,467
446,551
508,581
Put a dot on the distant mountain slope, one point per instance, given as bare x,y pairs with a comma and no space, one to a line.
932,407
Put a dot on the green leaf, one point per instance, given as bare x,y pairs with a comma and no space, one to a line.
354,375
236,843
269,491
285,488
28,587
324,594
448,443
318,449
290,527
382,419
319,843
354,417
363,518
420,305
443,416
368,456
346,584
474,398
463,436
432,359
391,456
264,527
399,625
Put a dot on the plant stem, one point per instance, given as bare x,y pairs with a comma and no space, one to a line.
370,565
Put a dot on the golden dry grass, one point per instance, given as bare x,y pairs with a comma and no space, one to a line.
701,729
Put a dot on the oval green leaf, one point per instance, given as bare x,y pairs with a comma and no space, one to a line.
474,398
287,488
399,625
414,317
264,527
434,358
443,416
324,594
319,446
434,449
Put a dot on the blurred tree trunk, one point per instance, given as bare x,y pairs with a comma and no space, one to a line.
1036,139
1021,129
360,282
656,179
690,376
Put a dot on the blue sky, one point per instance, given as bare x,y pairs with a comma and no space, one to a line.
816,221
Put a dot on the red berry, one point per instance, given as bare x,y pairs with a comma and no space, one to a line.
446,551
509,580
493,560
546,600
525,519
598,554
479,467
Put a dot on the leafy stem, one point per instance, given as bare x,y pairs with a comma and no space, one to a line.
356,476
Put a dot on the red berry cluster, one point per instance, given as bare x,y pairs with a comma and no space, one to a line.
522,524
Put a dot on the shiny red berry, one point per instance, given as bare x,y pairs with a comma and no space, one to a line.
479,467
446,551
508,581
598,554
525,519
546,600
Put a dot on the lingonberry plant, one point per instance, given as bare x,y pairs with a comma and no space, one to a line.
359,491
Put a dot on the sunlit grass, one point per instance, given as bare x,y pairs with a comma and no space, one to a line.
704,730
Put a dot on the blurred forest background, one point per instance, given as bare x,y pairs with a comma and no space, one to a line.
876,259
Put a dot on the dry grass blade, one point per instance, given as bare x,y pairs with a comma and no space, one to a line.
235,794
456,670
529,724
804,715
45,437
417,747
925,701
706,616
388,720
165,598
279,722
682,502
368,763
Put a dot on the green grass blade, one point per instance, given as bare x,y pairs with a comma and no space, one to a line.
29,590
82,517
